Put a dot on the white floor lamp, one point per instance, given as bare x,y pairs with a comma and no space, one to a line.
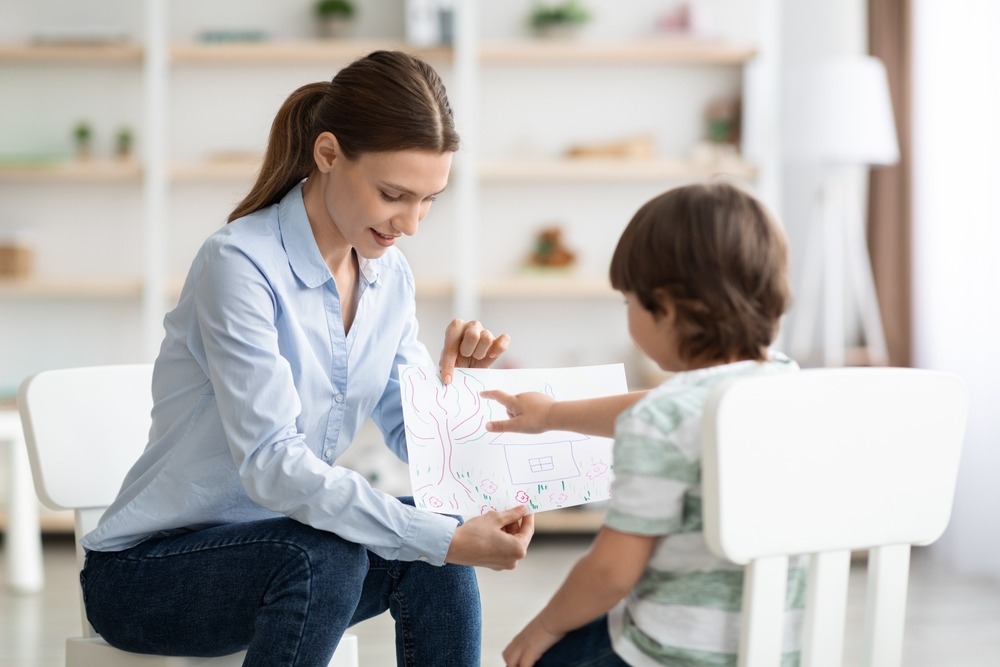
839,116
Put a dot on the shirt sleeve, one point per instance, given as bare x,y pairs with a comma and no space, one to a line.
258,402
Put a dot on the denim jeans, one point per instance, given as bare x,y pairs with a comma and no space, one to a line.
587,646
283,591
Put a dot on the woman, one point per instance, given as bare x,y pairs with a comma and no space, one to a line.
235,530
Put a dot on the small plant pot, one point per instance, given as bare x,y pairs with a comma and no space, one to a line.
335,27
558,31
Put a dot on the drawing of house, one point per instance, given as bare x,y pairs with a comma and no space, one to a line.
533,459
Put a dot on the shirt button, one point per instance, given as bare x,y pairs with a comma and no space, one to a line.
339,398
328,453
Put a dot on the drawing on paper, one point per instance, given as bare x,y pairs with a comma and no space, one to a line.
458,467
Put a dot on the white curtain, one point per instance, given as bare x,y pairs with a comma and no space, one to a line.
956,123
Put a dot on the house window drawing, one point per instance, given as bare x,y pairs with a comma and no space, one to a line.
543,457
541,464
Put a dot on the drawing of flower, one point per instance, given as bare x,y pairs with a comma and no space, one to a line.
521,497
558,498
488,485
434,501
486,508
596,470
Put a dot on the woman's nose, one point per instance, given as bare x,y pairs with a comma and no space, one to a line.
407,222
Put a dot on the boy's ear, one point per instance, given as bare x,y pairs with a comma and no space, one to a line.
326,150
667,308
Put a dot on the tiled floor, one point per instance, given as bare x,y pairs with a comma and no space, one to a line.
952,621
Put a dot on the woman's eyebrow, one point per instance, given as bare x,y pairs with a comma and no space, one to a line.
407,191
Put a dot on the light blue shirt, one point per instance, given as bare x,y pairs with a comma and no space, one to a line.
257,391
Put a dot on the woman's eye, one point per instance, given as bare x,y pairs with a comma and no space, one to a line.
388,197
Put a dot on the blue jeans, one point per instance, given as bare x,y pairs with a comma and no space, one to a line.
283,591
588,646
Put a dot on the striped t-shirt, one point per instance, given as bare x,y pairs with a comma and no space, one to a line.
685,609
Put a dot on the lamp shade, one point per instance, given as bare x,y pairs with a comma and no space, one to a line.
838,111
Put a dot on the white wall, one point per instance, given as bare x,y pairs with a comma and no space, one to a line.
957,235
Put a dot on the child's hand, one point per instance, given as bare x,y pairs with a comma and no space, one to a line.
527,412
529,645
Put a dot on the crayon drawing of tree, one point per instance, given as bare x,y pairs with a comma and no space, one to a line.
445,418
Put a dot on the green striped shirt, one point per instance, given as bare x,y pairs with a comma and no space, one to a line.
685,609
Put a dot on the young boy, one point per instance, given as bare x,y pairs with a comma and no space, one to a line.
703,269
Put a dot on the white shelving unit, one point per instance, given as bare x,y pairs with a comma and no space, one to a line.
202,112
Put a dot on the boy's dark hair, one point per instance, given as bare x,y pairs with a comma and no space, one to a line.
720,257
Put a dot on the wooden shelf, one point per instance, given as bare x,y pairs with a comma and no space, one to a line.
571,520
538,285
107,288
71,171
215,170
69,54
293,51
661,51
653,51
526,287
435,289
517,170
601,169
49,521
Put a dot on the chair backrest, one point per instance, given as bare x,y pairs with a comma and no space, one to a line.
84,428
824,463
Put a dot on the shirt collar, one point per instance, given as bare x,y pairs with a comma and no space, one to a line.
300,244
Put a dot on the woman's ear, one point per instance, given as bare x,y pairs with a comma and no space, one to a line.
326,151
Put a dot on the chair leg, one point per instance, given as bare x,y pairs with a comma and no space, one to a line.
885,605
764,584
24,537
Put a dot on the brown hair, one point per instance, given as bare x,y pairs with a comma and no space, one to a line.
385,101
720,257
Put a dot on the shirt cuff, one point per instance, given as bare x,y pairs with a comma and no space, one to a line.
428,537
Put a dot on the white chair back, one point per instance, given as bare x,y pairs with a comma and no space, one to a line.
824,463
84,428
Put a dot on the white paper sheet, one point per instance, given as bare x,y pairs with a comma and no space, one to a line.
458,467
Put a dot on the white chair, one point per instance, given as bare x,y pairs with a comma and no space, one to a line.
822,463
23,540
84,427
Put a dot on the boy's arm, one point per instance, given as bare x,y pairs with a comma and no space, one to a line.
534,412
602,577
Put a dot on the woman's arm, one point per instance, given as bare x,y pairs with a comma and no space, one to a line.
535,412
602,577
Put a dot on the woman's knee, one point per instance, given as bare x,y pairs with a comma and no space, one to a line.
326,559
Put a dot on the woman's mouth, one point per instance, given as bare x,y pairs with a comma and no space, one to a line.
383,240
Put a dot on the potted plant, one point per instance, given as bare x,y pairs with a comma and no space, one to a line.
334,17
123,143
561,19
82,139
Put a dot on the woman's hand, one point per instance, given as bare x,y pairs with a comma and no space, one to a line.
469,345
529,645
526,413
497,540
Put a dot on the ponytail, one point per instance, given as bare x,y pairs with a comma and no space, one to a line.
288,158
